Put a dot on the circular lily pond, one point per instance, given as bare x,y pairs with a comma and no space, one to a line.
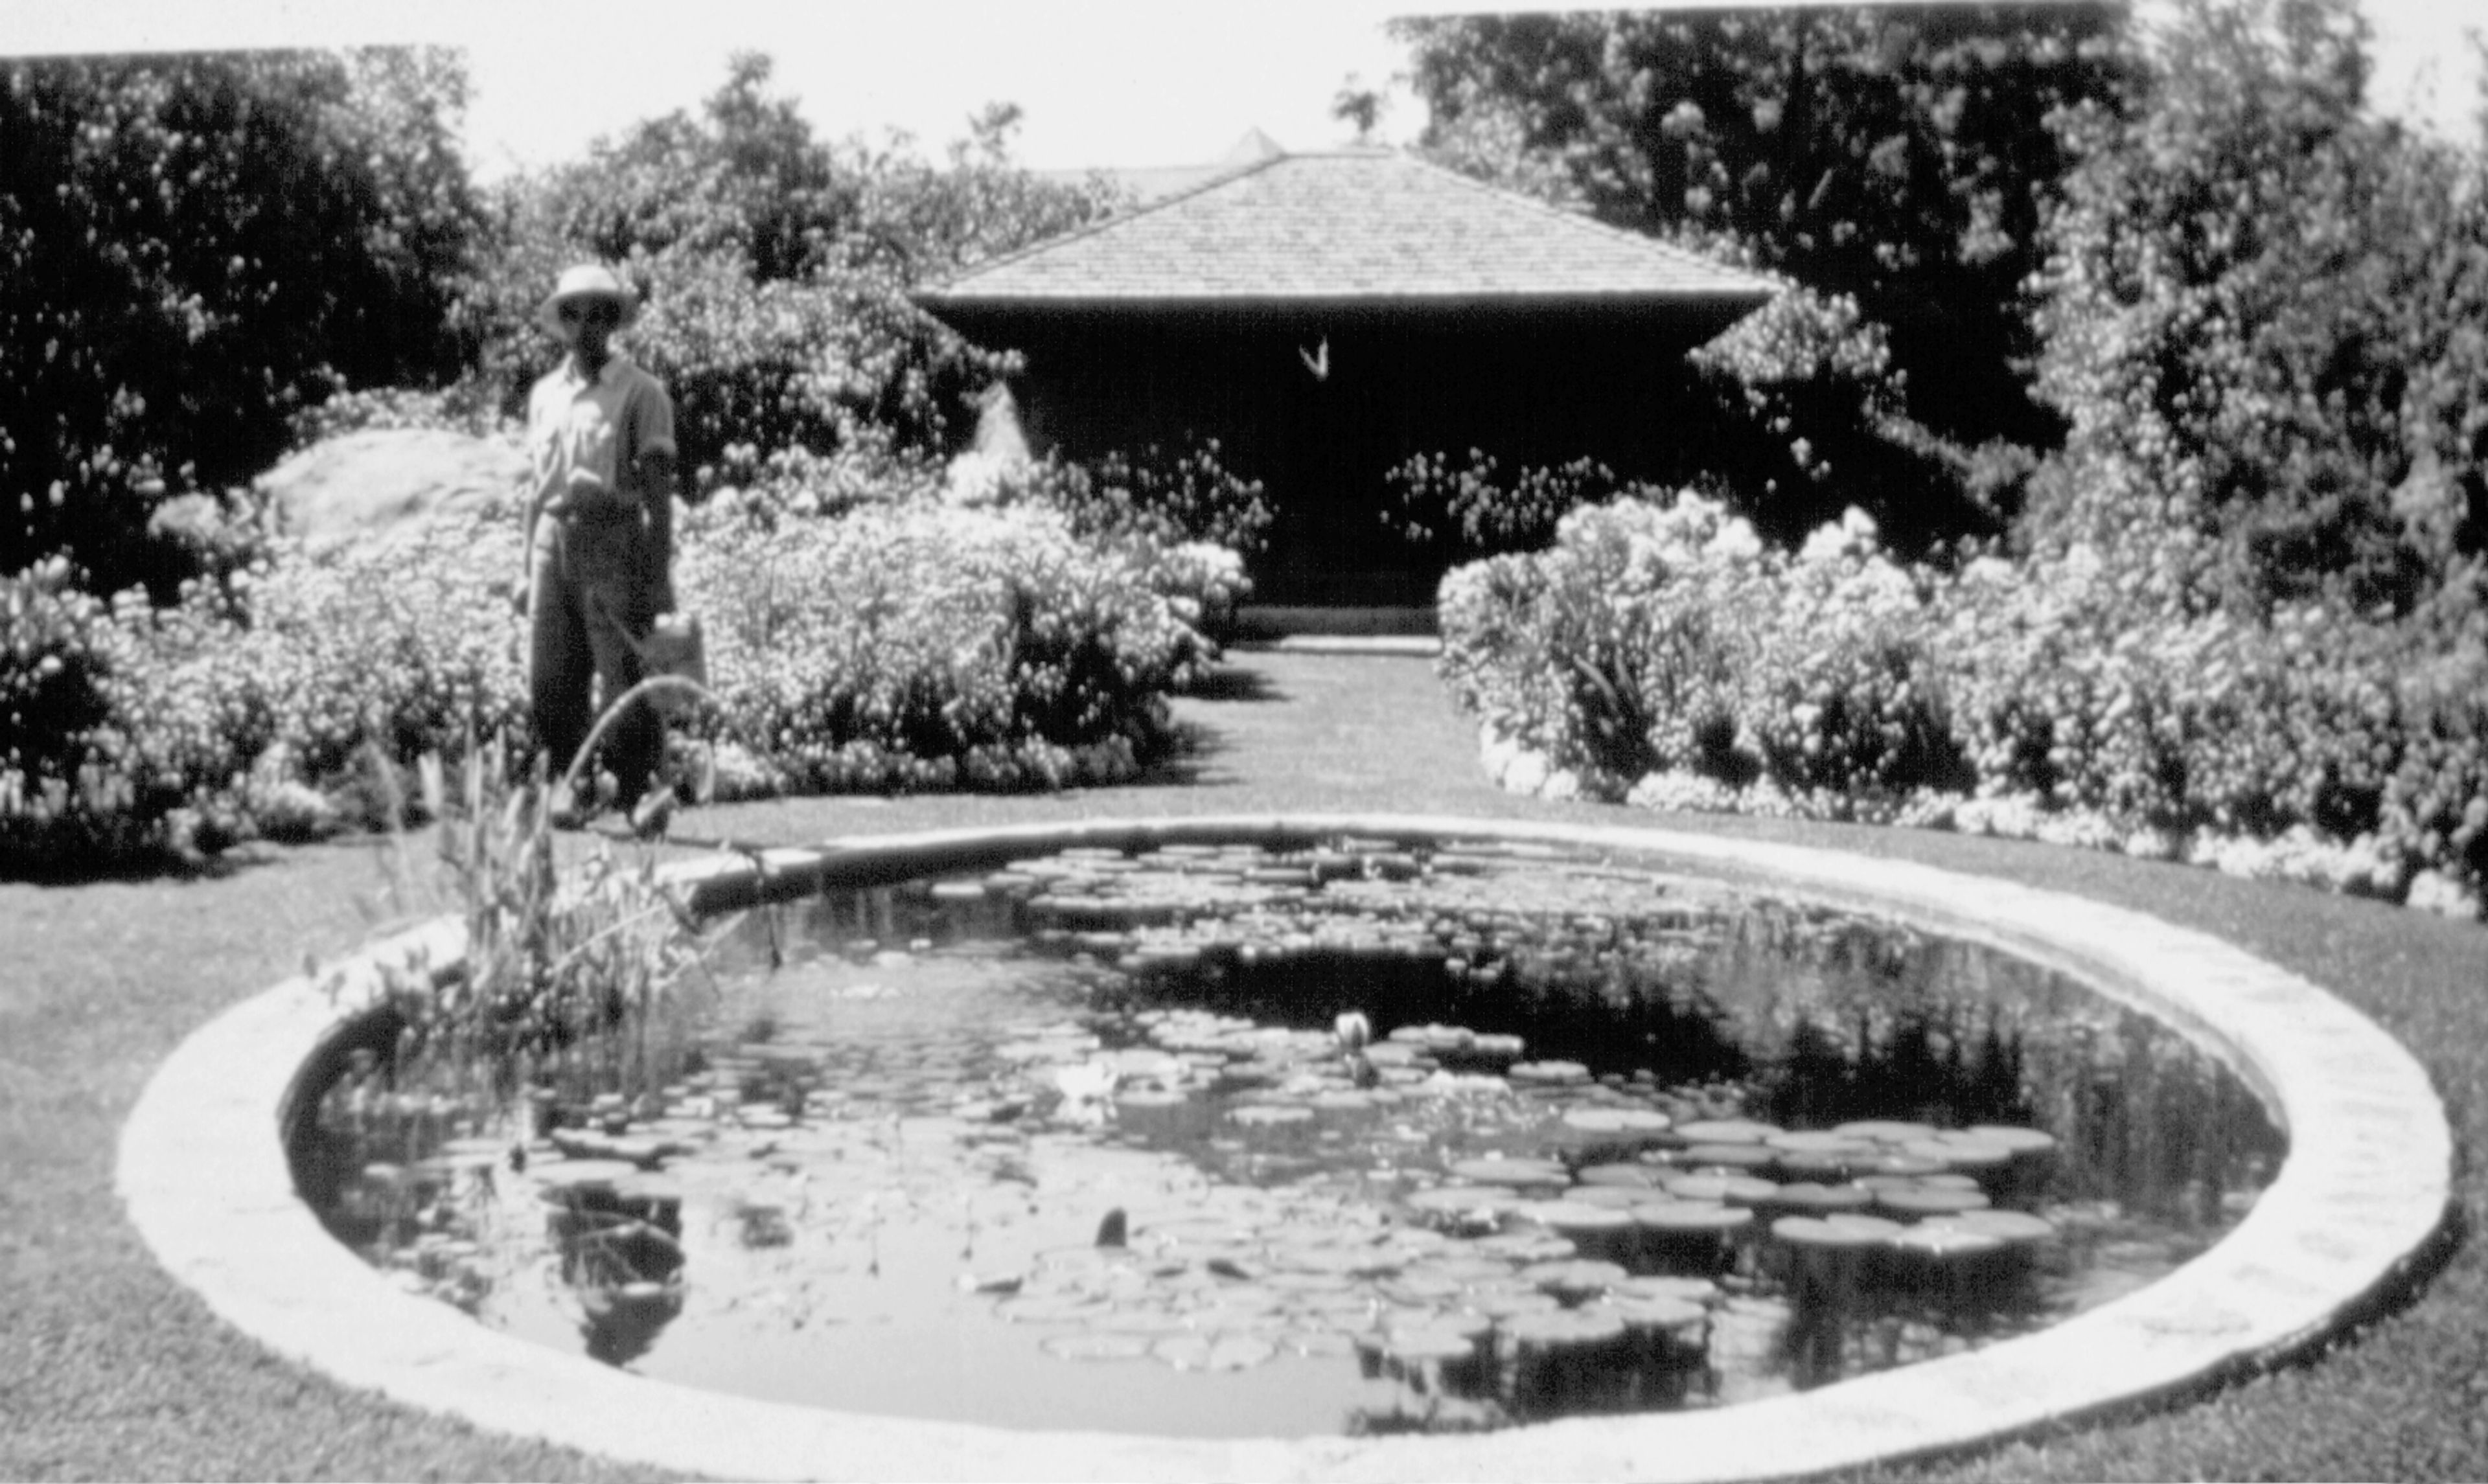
1369,1137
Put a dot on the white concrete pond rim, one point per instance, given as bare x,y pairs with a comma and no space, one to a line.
2358,1201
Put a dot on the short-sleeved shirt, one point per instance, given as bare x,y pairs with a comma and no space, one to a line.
603,425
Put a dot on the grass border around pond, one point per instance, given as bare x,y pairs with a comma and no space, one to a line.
2364,1193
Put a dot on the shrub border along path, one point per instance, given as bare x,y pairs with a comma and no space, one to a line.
108,1368
2362,1189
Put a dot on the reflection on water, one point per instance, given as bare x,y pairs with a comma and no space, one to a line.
1370,1137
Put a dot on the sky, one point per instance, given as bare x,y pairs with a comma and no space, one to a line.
1103,83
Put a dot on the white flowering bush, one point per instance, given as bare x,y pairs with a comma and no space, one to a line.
1659,653
907,644
65,793
931,645
1667,639
1179,519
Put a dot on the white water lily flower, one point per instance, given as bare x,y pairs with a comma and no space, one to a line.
1088,1091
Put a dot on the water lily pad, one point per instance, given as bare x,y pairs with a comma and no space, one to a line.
1563,1330
1690,1290
1098,1344
1615,1120
2021,1141
1619,1196
1732,1157
1816,1234
1547,1074
1484,1204
1526,1247
1885,1130
1674,1317
1214,1352
1928,1200
1579,1221
1513,1172
1272,1114
1491,1050
1880,1228
1818,1141
1943,1241
1028,1309
1822,1166
1511,1301
1314,1256
1961,1153
1727,1131
1423,1344
1625,1176
1719,1186
1461,1269
1690,1218
1574,1279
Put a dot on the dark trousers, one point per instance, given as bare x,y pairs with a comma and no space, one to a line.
589,611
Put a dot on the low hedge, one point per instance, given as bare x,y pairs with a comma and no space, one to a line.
1659,652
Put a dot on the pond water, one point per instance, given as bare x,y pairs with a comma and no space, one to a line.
1370,1137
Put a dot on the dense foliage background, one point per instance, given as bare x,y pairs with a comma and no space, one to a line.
2240,618
191,249
216,258
2151,370
1894,162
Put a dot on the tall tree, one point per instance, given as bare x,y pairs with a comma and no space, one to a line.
775,265
1896,154
193,246
2262,314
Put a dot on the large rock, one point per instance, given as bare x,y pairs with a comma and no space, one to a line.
363,485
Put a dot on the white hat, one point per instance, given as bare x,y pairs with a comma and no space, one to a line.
587,280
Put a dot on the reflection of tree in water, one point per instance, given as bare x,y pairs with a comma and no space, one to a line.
619,1330
2148,1121
1855,1017
625,1264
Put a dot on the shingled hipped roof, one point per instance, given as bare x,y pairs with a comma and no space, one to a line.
1348,227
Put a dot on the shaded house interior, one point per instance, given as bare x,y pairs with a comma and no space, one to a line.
1326,315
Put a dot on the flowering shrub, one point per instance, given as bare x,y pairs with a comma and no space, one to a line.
798,484
1473,510
1183,522
192,245
1662,655
908,645
1669,639
61,795
459,409
917,645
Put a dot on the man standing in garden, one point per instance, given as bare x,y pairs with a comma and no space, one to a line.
600,541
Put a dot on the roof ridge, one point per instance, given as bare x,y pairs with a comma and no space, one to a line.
1113,219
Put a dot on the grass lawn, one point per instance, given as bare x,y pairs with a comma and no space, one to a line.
108,1369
